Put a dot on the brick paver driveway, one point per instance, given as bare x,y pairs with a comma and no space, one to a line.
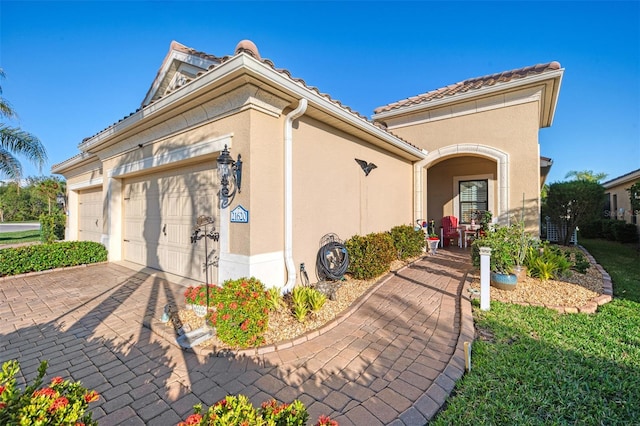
393,360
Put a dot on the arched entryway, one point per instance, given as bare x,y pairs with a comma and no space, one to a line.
443,171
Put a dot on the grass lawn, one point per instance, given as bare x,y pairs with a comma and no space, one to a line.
19,237
535,366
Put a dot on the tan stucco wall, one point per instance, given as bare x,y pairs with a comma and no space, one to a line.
621,211
511,129
333,195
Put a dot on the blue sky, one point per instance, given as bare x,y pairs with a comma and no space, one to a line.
74,68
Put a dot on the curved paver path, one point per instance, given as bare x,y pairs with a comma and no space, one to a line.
393,360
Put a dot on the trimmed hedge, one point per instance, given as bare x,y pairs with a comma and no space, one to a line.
52,227
371,255
610,229
33,258
408,241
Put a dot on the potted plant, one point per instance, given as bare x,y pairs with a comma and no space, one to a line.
522,242
432,238
484,217
503,247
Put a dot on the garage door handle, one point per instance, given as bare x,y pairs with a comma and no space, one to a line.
96,222
164,229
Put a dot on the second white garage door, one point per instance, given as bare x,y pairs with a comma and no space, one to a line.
160,212
90,214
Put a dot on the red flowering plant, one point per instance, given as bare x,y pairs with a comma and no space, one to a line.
242,312
60,403
197,295
238,410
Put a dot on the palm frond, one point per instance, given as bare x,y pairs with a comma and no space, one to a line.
5,108
18,142
9,165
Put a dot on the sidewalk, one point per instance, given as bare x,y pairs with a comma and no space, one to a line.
393,360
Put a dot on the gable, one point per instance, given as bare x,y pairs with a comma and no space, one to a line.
181,65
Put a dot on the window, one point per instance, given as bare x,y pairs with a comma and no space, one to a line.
473,196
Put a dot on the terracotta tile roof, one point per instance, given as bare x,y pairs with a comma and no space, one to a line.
471,84
246,46
184,49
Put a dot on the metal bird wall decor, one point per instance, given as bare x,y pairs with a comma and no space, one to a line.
367,167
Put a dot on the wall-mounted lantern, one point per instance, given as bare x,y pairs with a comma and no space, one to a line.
230,175
61,200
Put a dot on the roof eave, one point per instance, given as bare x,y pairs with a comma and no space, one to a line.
235,66
629,177
73,162
546,117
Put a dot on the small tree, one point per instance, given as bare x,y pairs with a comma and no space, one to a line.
573,204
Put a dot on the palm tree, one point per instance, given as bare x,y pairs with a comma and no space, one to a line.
15,141
586,175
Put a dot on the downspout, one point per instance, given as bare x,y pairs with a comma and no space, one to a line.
288,193
418,170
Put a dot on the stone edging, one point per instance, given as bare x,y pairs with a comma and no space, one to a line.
162,330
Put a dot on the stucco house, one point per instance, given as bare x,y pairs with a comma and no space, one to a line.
139,185
618,203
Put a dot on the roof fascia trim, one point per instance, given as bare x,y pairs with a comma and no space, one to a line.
620,180
249,64
72,162
322,104
175,55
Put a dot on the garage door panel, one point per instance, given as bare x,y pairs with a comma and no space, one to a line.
90,214
160,211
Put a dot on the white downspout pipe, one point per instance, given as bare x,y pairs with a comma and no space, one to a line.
288,193
418,170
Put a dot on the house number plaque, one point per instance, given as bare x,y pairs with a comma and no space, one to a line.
239,215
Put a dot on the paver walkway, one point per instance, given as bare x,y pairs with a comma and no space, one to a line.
394,360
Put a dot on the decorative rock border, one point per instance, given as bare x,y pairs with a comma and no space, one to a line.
166,332
591,306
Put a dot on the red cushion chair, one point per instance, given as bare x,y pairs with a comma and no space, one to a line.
449,230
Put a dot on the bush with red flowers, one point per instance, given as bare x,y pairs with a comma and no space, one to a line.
197,295
60,403
242,312
238,410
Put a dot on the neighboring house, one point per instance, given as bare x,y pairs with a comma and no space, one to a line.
139,185
618,201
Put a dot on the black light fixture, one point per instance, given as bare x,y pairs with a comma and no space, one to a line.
230,175
61,200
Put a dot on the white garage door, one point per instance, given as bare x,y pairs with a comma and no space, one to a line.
160,212
90,214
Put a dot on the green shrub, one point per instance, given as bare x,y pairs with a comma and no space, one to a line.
625,232
61,402
370,256
592,229
299,302
274,297
20,260
315,299
52,227
548,262
581,264
509,247
407,240
238,410
242,312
